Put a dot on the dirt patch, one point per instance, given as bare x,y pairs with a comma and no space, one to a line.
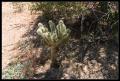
14,25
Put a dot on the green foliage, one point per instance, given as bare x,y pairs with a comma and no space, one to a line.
68,10
17,71
56,10
14,72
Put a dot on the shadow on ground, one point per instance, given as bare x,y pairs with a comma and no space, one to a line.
101,54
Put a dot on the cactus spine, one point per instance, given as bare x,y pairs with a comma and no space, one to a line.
54,37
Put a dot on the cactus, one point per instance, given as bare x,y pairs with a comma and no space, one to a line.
54,37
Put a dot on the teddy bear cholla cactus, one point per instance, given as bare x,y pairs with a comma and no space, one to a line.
54,37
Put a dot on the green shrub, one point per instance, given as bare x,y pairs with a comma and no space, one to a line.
56,10
13,72
16,71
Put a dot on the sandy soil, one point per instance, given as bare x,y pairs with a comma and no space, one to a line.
14,25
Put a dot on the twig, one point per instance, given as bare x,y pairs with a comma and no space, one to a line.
114,23
98,20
